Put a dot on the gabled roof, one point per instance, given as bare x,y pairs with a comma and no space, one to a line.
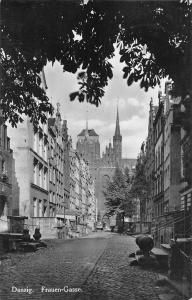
91,132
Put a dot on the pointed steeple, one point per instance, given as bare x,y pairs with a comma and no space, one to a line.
117,128
117,141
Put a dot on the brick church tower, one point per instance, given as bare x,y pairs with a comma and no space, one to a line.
102,168
117,141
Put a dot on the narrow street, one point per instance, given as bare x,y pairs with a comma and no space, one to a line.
96,266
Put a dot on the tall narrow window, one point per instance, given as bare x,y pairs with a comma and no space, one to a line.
40,146
36,142
34,207
45,151
45,178
40,208
40,175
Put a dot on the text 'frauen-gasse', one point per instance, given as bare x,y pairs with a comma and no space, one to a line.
44,289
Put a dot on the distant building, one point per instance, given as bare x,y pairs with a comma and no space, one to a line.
66,164
159,160
150,162
56,165
88,148
113,154
102,168
81,211
72,212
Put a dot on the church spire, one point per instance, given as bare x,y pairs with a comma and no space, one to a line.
117,128
117,141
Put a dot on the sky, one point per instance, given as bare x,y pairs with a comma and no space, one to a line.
133,105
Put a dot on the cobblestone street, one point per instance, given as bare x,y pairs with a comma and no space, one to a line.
97,266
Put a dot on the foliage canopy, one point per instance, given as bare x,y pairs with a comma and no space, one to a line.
140,186
117,194
153,38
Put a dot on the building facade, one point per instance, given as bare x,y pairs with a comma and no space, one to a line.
81,212
150,163
168,168
56,165
185,120
30,151
42,170
159,161
67,145
172,153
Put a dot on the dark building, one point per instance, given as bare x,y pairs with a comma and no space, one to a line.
167,169
185,120
150,163
9,192
67,145
159,160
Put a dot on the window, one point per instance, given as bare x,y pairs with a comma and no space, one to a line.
45,178
40,146
50,211
40,208
53,176
182,202
161,239
53,215
45,151
50,196
34,207
35,142
35,174
50,173
45,209
40,175
188,201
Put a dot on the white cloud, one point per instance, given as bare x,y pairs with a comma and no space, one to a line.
96,123
135,124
